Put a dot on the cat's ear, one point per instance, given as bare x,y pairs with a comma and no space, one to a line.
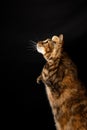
55,39
61,38
58,39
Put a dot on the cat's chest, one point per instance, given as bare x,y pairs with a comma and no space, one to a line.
49,72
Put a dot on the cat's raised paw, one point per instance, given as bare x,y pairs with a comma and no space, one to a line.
39,79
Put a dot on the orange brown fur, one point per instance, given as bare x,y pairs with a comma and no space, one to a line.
66,94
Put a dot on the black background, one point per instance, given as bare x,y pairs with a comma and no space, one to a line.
23,101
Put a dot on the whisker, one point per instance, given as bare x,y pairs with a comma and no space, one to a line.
29,53
30,49
30,41
31,46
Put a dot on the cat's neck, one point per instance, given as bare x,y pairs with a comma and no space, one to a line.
55,58
53,61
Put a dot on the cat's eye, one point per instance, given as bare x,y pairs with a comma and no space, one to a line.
46,41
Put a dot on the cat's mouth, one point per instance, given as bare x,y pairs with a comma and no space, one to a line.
40,49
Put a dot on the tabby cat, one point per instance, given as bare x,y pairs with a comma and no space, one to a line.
66,94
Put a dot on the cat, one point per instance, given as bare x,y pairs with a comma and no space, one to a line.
65,92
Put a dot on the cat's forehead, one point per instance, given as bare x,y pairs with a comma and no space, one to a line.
54,39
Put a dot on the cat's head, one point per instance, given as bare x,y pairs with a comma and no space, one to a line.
50,48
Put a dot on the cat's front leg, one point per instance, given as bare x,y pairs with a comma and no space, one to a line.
39,78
